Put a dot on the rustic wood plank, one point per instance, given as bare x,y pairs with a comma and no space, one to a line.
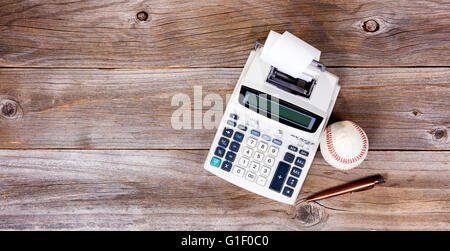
218,33
131,109
169,190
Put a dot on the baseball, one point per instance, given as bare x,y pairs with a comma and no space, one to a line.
344,145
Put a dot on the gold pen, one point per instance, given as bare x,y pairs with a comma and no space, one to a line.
359,185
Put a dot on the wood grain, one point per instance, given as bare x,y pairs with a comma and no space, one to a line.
169,190
131,109
218,33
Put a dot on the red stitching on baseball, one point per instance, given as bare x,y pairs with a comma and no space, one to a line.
339,158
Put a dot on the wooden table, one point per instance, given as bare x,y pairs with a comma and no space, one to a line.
86,87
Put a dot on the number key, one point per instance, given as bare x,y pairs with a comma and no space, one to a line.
262,146
273,151
251,142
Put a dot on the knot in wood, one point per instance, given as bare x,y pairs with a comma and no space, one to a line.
371,26
9,109
439,134
309,214
142,16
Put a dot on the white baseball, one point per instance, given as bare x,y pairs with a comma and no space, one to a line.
344,145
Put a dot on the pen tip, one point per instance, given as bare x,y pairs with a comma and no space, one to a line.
381,180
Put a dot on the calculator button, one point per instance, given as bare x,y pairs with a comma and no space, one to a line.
292,182
238,171
250,176
219,151
269,161
265,171
304,153
280,176
289,157
242,127
226,166
254,166
256,133
243,162
261,181
296,172
273,151
224,142
262,146
238,136
288,191
215,161
234,116
230,156
277,142
293,148
251,142
227,132
234,146
247,152
300,162
231,123
266,137
258,156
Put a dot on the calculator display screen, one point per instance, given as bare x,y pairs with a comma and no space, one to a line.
279,110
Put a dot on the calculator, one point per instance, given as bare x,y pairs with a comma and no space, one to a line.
270,130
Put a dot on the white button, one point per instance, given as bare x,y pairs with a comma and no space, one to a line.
269,161
250,176
248,152
273,151
238,171
243,162
254,166
261,181
262,146
258,156
251,142
265,171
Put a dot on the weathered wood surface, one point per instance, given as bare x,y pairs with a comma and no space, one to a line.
400,108
217,33
102,190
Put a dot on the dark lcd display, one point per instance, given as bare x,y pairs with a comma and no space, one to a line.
279,110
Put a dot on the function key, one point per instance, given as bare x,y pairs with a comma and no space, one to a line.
266,137
280,176
224,142
230,156
238,136
296,172
234,146
289,157
256,133
226,166
231,123
277,142
304,153
300,162
242,127
261,181
293,148
219,151
288,191
292,182
215,161
227,132
234,116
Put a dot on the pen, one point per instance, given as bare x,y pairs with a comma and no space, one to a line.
359,185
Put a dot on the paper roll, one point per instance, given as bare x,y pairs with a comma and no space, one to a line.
288,53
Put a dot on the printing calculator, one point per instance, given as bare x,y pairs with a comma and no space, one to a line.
270,130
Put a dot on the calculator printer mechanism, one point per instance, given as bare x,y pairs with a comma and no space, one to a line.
270,130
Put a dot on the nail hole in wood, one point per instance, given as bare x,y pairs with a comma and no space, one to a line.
416,113
371,26
142,16
439,134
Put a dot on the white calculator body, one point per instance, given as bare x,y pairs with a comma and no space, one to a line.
263,150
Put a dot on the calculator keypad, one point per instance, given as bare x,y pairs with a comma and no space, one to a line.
247,153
